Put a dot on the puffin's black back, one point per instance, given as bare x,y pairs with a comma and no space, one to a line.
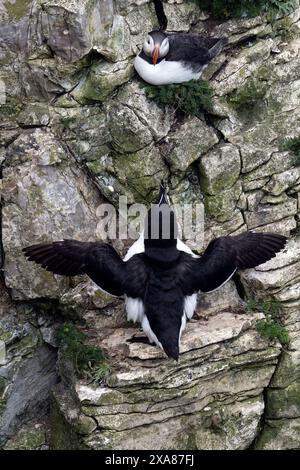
193,48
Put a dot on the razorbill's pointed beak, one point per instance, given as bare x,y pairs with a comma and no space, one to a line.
162,194
155,55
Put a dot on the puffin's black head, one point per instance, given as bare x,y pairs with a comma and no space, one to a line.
161,230
156,45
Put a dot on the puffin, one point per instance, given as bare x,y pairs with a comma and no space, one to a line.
160,276
176,57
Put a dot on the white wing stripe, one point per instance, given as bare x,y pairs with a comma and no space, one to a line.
219,287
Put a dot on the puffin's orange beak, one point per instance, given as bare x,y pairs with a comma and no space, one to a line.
155,55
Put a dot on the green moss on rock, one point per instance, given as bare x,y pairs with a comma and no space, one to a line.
3,384
284,403
221,206
219,169
27,440
285,28
287,370
10,109
253,91
5,335
63,434
141,172
16,9
101,80
241,8
86,425
279,434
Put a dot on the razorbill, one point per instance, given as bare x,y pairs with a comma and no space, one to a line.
175,58
160,276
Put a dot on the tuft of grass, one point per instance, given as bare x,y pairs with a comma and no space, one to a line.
294,146
89,361
247,8
268,327
268,307
272,330
190,97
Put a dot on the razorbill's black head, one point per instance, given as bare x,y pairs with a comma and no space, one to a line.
161,230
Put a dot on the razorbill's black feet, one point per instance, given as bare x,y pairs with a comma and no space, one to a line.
175,58
160,276
140,339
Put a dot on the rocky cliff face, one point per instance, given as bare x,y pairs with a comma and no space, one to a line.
77,130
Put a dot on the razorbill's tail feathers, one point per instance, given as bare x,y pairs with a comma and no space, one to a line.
171,349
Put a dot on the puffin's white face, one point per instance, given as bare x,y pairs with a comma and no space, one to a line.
155,50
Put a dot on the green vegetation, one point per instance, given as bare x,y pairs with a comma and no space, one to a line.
89,361
268,327
27,439
248,8
268,307
67,122
11,108
18,8
249,98
294,146
189,97
272,330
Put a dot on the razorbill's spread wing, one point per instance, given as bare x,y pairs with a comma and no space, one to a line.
224,256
